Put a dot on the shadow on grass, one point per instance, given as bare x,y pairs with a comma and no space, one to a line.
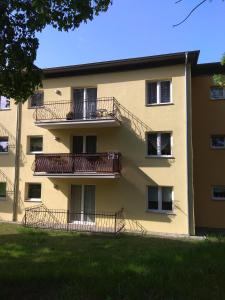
56,265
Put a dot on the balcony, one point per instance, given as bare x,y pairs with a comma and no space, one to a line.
101,112
99,165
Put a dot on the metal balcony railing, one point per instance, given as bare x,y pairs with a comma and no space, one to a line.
58,219
65,110
77,163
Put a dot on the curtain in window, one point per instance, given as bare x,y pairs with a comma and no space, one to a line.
78,106
152,92
152,144
165,91
166,198
91,103
89,203
153,197
4,144
165,144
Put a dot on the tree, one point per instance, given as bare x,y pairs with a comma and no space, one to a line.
20,20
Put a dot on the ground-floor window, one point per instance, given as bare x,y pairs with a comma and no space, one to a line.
34,191
218,192
82,203
160,198
2,190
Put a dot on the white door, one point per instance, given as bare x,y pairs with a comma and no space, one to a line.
82,203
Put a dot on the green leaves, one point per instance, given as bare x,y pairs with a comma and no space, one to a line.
19,23
219,79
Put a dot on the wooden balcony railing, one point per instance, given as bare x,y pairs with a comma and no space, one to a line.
65,110
77,163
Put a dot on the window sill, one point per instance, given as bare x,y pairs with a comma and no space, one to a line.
35,152
32,200
218,148
159,104
218,199
4,153
161,212
2,199
3,109
215,99
160,156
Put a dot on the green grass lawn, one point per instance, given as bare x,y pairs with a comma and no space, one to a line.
57,265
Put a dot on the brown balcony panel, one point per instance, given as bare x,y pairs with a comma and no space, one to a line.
88,113
78,165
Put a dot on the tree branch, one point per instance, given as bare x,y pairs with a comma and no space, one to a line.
190,13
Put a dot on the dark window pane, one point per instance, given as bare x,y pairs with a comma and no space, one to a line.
2,189
36,144
219,192
166,198
165,144
217,93
78,144
152,144
91,143
165,91
37,99
218,141
152,93
153,197
34,191
78,103
4,144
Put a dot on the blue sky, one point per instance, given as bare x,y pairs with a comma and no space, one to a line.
138,28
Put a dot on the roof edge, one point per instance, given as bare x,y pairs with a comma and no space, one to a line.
123,64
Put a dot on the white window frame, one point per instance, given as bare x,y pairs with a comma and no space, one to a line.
4,198
32,199
29,144
160,210
158,97
217,198
82,222
159,149
217,135
220,98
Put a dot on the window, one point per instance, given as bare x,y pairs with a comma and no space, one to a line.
218,141
36,144
159,144
34,192
217,93
4,144
160,198
218,192
4,103
37,99
159,92
2,190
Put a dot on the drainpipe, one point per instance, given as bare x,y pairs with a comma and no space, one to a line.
189,159
17,162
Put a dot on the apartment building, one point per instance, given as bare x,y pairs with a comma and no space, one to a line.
115,136
208,108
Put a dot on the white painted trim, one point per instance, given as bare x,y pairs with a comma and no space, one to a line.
160,210
34,199
79,175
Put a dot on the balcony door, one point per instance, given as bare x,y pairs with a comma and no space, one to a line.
82,204
85,103
84,144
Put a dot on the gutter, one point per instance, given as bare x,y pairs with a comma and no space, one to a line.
17,162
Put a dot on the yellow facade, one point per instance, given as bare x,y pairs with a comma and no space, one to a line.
129,191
